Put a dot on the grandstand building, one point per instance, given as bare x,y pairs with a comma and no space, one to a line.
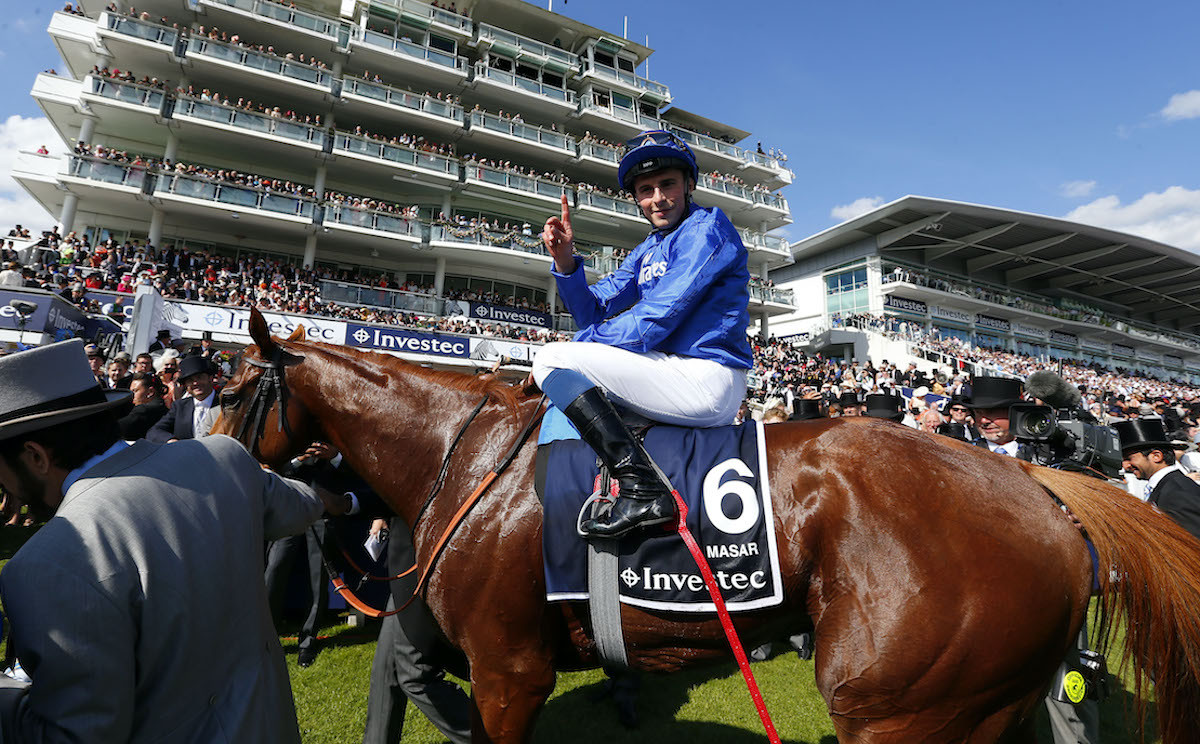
1025,283
424,142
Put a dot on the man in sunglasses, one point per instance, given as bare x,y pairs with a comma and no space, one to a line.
665,333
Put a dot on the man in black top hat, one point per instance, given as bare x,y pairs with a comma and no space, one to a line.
959,426
162,342
991,398
849,403
186,418
806,409
885,407
1145,447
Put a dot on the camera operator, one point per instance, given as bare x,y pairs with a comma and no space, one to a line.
1145,446
990,401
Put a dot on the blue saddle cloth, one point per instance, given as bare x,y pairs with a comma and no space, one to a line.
721,475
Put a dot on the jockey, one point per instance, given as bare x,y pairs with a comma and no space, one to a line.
664,335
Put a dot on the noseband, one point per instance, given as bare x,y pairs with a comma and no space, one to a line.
270,389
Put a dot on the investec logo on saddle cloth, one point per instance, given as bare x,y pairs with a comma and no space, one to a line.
721,473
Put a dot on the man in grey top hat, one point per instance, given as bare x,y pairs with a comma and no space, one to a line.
135,609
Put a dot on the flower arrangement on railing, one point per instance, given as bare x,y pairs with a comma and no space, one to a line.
491,234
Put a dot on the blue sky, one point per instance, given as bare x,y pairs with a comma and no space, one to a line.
1090,111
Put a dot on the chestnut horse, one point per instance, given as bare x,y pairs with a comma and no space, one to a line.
943,582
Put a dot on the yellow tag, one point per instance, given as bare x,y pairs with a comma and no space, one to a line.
1075,687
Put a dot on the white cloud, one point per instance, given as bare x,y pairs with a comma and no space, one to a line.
1171,216
1182,106
1077,189
16,206
855,208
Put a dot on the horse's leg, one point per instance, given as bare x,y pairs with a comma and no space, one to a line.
508,700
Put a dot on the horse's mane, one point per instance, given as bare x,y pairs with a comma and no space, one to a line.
498,390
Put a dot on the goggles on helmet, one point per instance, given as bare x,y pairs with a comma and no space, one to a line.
652,151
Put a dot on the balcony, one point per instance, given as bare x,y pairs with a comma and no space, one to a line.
521,137
99,170
263,66
424,16
427,66
481,236
536,96
532,187
231,119
195,190
770,201
75,38
614,121
528,51
112,26
410,106
728,195
128,96
773,295
771,170
756,241
417,163
280,14
654,92
606,206
392,299
373,222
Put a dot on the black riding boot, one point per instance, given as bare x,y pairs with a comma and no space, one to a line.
644,498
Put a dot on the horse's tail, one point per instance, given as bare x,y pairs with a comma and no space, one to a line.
1149,571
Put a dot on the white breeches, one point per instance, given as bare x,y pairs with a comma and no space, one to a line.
678,390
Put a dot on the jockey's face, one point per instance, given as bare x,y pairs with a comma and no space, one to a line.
662,197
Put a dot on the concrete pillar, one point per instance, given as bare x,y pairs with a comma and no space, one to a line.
310,249
67,216
336,69
172,148
87,129
764,323
551,293
156,228
763,273
439,276
447,205
319,181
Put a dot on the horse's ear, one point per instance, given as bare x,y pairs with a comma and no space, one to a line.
261,334
297,335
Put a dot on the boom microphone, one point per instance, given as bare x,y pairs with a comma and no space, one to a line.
1053,390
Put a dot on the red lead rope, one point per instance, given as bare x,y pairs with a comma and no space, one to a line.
726,622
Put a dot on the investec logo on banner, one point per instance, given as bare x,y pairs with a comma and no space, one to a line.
1064,338
907,305
411,342
987,321
1028,330
509,315
949,313
196,317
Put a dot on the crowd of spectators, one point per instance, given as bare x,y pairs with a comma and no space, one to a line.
125,76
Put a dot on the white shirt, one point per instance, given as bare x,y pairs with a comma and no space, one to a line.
1009,449
11,278
199,411
1157,477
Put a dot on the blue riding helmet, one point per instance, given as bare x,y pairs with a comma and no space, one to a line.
652,151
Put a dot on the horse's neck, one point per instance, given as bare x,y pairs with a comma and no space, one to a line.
393,428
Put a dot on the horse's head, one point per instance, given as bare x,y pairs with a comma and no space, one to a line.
257,406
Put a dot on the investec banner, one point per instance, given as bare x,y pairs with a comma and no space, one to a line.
1028,330
1070,339
950,313
499,313
236,321
903,304
987,321
52,314
409,342
491,349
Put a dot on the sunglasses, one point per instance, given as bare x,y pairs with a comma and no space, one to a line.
958,408
170,369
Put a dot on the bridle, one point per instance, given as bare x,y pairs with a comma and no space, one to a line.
271,389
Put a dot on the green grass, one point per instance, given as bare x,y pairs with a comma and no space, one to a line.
709,705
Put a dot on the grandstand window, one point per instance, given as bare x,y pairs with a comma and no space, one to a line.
846,291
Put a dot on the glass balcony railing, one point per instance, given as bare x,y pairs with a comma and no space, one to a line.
140,29
636,118
283,14
137,95
251,122
515,181
369,219
517,82
476,235
266,63
404,99
419,10
409,49
600,152
769,199
608,204
658,90
393,299
399,154
516,45
773,294
760,241
737,191
704,142
194,187
550,138
106,171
